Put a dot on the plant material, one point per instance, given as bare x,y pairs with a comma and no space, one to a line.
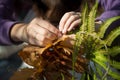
53,61
90,55
96,48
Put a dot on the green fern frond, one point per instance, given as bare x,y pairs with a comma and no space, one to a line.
113,74
84,18
115,64
95,77
63,78
100,56
112,36
91,18
101,63
114,51
99,71
88,77
83,76
105,25
95,48
77,44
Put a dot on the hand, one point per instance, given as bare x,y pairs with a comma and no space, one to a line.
69,21
37,32
69,40
97,25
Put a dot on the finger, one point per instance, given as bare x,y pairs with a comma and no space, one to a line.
48,26
74,24
43,38
40,31
69,22
42,42
47,34
64,19
36,42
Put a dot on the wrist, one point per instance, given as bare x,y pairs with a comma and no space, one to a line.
17,32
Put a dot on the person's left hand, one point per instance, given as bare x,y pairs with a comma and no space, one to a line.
69,21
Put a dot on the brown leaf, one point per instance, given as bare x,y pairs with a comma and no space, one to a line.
53,60
22,74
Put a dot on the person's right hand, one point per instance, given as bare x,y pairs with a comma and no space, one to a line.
69,21
37,32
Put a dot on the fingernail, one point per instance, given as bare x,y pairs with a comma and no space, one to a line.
64,31
69,29
60,29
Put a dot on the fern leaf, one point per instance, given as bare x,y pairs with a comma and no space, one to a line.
91,18
113,74
95,77
76,46
99,70
114,51
63,78
83,76
115,64
100,55
84,18
111,37
88,77
104,27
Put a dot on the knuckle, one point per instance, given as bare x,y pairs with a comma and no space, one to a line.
44,32
72,12
73,16
68,14
56,31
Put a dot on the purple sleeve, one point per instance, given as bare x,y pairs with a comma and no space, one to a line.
6,21
111,9
5,27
